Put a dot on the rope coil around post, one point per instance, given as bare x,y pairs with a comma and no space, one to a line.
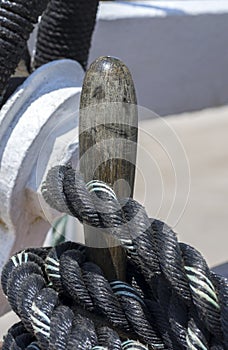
189,260
66,284
169,299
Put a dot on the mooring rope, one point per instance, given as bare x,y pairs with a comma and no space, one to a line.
170,300
66,30
17,19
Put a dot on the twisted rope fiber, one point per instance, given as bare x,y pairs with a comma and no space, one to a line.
65,31
41,308
17,19
18,338
164,306
159,255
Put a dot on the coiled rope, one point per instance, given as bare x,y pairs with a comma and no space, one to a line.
17,19
171,300
65,31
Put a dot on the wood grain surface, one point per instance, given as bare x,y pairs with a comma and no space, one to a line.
108,144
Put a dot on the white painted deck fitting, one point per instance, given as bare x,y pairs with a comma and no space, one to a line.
177,51
41,112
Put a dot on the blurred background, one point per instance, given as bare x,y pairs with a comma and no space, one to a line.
177,53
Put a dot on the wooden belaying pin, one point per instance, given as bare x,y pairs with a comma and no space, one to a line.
108,143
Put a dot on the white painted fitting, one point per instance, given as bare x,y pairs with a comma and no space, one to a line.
41,112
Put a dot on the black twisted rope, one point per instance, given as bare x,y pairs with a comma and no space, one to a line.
19,338
17,19
171,301
65,31
159,257
46,314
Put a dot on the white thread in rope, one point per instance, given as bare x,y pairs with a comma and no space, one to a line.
39,326
123,289
53,267
209,294
20,258
100,186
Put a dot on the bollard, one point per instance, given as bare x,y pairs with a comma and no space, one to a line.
108,142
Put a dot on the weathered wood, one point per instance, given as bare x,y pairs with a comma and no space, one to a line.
108,143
